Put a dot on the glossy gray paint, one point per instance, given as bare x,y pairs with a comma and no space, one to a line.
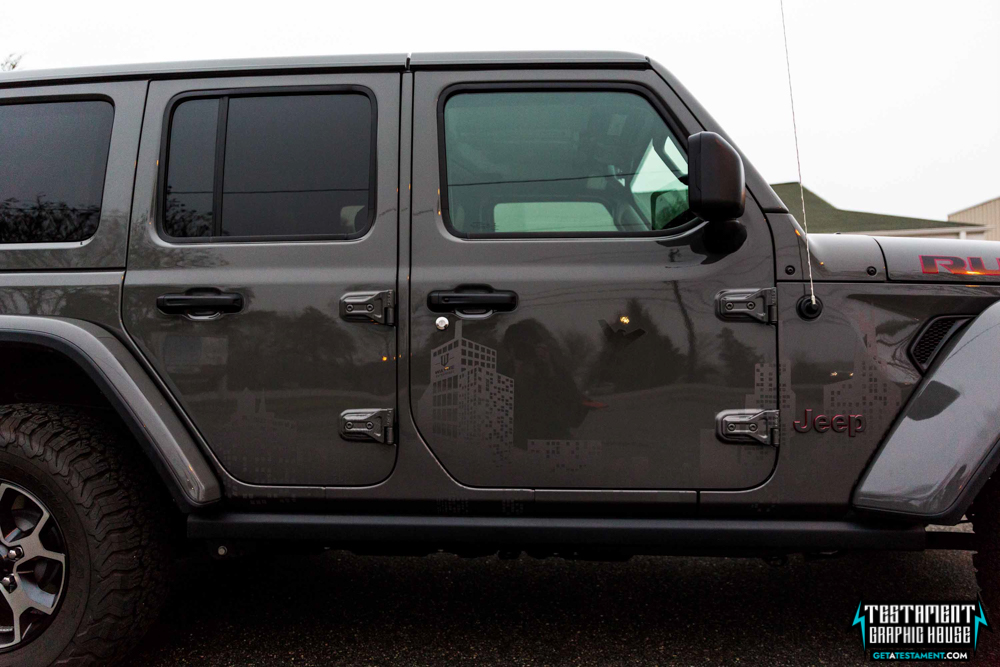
841,258
835,257
565,348
265,387
132,392
417,477
902,257
94,296
865,329
867,323
106,248
945,438
78,315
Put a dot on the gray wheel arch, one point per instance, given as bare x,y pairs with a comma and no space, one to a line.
133,394
945,444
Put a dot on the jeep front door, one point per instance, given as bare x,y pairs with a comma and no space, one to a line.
564,325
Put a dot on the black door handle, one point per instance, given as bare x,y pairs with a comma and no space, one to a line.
200,304
459,300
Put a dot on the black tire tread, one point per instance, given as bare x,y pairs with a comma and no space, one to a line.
125,514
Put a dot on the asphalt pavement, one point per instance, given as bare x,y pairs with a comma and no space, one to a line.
341,609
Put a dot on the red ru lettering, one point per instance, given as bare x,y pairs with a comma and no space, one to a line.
953,265
956,266
977,267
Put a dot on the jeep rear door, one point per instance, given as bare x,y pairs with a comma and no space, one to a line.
563,320
261,203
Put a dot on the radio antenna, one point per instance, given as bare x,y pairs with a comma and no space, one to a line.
798,160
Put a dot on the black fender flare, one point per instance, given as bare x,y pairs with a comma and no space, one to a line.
133,394
945,444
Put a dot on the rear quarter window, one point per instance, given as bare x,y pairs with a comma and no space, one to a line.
53,159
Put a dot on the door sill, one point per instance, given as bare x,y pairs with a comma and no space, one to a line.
635,536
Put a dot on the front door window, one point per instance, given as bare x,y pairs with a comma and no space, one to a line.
561,162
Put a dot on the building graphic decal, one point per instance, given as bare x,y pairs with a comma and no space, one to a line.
566,456
764,397
472,402
253,428
869,389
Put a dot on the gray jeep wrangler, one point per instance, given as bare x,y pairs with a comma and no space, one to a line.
467,302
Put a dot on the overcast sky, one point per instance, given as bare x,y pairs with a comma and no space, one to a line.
898,103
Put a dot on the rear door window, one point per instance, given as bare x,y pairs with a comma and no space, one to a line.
271,167
53,159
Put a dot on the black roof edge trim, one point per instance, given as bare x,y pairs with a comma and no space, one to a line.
466,67
519,60
69,76
389,62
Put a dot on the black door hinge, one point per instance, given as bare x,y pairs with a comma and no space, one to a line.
748,426
374,424
378,307
742,304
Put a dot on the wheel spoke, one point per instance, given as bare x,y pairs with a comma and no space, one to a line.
17,630
33,548
14,602
27,564
32,543
4,490
29,596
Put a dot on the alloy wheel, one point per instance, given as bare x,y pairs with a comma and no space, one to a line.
32,566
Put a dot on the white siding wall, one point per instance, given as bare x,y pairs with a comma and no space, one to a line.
987,213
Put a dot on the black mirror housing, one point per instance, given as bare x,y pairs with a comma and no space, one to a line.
716,181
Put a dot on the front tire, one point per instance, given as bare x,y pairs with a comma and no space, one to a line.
72,486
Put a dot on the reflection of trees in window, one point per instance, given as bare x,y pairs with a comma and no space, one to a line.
46,221
181,221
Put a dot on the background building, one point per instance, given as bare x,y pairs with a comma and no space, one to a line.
824,217
986,214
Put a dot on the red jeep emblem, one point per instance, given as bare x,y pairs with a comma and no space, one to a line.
853,424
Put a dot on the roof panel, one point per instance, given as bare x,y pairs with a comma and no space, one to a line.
306,63
523,58
204,68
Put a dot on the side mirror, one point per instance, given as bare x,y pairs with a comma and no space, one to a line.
716,182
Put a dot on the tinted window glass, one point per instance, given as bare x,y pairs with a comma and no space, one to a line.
561,162
548,216
191,178
53,158
294,165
